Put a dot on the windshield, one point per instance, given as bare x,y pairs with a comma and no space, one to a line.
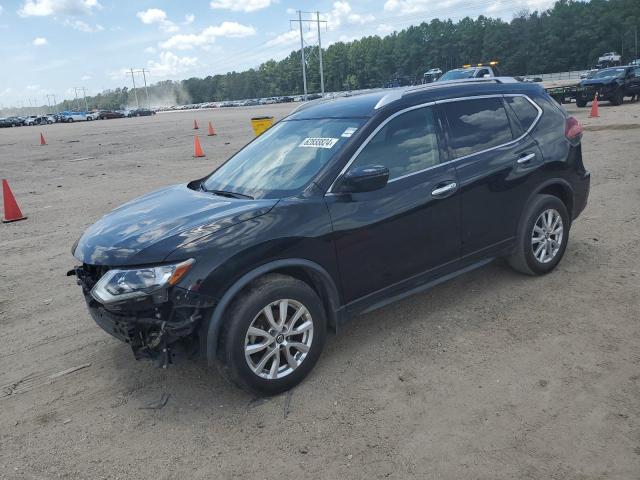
284,159
457,74
609,72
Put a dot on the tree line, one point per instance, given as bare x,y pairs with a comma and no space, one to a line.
569,36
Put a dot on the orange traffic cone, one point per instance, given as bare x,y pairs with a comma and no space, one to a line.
212,131
195,125
12,212
594,108
198,149
42,142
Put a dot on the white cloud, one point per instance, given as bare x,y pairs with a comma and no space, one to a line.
33,88
189,18
1,9
40,41
150,50
45,8
152,15
240,5
157,16
342,12
385,29
208,36
82,26
287,38
170,64
84,78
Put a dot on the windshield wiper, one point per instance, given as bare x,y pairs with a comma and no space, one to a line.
225,193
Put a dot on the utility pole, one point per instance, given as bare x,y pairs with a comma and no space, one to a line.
84,96
75,90
146,90
300,21
133,79
55,104
320,54
304,63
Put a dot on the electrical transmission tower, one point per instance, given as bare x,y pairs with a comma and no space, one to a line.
300,21
146,89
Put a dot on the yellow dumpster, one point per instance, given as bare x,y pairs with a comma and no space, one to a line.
261,124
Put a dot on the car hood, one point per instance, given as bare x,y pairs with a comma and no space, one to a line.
147,229
598,81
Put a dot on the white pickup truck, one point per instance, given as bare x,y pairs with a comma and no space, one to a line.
610,57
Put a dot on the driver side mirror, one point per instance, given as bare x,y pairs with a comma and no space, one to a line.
364,179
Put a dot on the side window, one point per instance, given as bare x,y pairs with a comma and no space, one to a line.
482,72
524,111
637,72
407,144
476,125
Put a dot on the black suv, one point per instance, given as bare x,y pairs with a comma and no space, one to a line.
342,207
612,84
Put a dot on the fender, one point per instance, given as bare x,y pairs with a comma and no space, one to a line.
561,182
209,342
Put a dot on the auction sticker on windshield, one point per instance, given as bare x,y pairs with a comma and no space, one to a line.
319,142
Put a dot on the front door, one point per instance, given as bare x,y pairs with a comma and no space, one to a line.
390,237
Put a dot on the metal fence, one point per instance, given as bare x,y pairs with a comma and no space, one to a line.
560,75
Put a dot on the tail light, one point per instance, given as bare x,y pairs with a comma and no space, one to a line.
572,129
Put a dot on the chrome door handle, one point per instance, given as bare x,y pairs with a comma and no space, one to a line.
526,158
445,189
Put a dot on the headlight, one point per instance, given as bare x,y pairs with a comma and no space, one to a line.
118,285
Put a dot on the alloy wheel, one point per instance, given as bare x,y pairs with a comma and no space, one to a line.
278,339
547,235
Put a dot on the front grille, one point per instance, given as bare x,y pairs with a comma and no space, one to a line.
88,275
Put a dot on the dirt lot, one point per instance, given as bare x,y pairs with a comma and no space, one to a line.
492,376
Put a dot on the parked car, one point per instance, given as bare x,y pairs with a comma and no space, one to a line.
140,112
431,75
71,117
14,121
94,115
108,114
612,84
344,206
468,71
10,122
32,120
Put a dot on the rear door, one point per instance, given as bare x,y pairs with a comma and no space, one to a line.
407,229
496,161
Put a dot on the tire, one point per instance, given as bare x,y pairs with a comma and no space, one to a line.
247,310
70,120
524,258
581,102
618,98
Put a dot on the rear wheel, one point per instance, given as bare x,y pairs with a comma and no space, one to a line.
543,236
581,102
274,335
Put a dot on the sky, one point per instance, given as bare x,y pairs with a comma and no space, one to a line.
50,47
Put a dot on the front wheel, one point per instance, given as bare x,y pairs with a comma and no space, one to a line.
274,335
618,98
543,236
581,102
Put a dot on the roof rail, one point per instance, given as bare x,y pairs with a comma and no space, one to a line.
398,94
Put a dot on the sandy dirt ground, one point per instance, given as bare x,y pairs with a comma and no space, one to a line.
494,375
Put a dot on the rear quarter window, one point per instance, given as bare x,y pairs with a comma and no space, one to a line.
477,124
524,111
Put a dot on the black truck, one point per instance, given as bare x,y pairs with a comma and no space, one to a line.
612,84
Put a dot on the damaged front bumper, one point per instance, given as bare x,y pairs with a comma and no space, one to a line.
161,331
